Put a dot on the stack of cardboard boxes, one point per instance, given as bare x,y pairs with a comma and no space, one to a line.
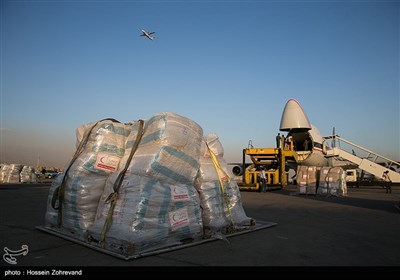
332,181
307,179
321,180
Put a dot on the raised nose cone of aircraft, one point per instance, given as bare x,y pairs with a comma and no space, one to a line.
294,117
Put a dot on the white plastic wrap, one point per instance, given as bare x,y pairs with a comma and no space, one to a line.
169,150
221,205
28,175
307,179
214,144
213,206
51,215
3,172
10,173
149,214
86,177
323,181
332,181
157,203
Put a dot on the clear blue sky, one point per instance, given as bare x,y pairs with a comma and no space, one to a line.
228,65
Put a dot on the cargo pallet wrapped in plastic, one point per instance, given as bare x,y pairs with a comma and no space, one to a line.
332,182
10,173
28,175
307,178
157,205
146,201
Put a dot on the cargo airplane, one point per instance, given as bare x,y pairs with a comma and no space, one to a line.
307,147
306,140
147,34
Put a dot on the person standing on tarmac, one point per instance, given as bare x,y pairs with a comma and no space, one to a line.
263,179
387,181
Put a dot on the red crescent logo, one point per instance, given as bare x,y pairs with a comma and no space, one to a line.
101,160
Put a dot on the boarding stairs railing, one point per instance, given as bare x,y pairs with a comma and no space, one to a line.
372,163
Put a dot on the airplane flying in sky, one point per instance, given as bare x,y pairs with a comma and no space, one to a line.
147,34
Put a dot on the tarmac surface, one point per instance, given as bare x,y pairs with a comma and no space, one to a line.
361,229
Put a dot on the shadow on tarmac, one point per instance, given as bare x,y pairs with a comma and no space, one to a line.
310,231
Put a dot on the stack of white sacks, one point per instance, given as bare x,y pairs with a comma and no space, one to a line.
28,175
16,173
9,173
101,149
221,203
136,200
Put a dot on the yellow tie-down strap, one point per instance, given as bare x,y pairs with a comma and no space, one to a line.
58,195
223,179
113,197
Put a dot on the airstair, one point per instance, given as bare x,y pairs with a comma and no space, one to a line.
372,163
